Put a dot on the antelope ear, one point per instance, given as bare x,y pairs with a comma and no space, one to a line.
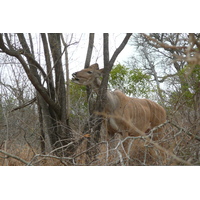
99,72
94,66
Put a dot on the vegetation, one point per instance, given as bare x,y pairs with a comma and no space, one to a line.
132,82
45,119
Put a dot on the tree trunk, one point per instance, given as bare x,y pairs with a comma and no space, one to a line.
51,99
87,64
96,120
55,46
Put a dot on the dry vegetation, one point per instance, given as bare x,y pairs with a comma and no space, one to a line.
21,142
176,146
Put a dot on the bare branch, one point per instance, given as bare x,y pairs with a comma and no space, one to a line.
119,49
89,51
187,132
159,44
25,104
15,157
31,76
106,49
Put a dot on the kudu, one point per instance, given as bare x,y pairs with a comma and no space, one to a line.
125,115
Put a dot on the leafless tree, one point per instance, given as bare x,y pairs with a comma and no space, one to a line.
173,59
49,83
96,120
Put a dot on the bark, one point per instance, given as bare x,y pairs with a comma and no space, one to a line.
32,78
50,116
89,50
52,99
41,125
173,50
49,78
108,64
67,79
154,73
87,64
55,46
64,132
106,50
96,120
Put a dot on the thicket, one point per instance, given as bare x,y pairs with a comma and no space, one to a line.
164,68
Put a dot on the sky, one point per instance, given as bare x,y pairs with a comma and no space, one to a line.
77,53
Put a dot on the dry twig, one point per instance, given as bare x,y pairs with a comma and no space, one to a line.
15,157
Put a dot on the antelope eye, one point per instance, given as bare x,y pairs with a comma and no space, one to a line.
89,72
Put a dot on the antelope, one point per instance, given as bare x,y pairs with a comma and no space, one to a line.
125,115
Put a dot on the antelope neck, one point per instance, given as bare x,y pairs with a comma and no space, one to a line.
96,84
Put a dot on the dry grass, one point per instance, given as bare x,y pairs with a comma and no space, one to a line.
18,155
176,146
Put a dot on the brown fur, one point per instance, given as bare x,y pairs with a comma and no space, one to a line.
125,115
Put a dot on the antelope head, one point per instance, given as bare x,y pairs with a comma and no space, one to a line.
89,76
